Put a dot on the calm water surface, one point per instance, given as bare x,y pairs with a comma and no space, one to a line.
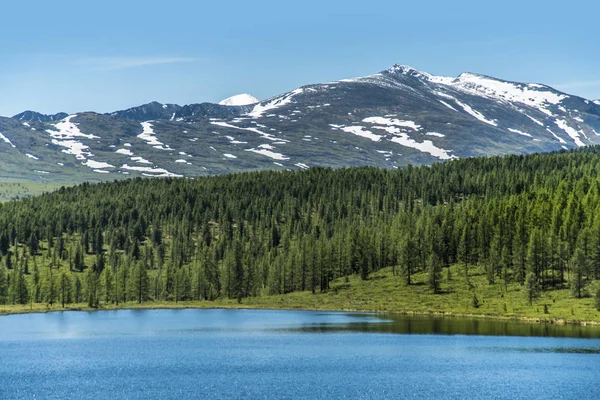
182,354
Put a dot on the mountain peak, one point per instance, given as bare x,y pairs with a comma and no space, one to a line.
401,69
34,116
243,99
406,70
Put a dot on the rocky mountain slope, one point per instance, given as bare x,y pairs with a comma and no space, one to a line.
33,116
389,119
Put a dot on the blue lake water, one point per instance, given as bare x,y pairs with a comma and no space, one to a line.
229,354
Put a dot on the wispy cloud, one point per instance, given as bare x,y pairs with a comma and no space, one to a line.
116,63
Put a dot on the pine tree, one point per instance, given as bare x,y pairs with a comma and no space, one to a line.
106,277
65,289
51,287
434,272
493,266
578,265
465,252
532,287
505,261
140,282
8,261
408,258
4,244
77,289
3,285
91,281
78,262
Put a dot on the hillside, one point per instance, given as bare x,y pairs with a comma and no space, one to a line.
520,228
391,119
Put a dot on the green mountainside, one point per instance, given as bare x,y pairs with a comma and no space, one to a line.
515,236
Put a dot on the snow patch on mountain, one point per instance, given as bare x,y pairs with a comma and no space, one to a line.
448,105
233,140
273,104
392,122
239,100
426,146
474,113
267,136
467,108
519,132
362,132
573,134
7,140
532,95
126,152
97,164
140,160
155,172
74,148
67,130
560,140
269,153
65,134
540,123
147,136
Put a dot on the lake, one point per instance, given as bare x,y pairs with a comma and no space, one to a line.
228,354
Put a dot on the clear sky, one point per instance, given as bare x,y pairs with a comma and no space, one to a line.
76,55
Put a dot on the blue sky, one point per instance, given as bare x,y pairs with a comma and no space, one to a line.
65,55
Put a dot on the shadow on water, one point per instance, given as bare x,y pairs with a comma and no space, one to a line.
417,325
556,350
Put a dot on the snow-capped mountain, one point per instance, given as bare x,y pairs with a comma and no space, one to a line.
397,117
239,100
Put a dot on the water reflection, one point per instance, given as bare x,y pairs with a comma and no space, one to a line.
424,325
557,350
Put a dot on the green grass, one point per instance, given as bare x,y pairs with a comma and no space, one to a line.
384,292
18,189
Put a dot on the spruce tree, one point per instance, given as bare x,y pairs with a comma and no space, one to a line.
577,266
3,285
434,273
532,287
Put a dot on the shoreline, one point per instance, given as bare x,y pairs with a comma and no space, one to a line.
41,309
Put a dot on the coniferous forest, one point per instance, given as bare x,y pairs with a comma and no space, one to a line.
529,220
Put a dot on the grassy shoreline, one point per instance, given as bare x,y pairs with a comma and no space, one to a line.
215,305
387,294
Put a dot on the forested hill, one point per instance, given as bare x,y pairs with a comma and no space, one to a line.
530,220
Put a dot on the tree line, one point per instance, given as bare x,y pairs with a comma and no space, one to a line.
531,219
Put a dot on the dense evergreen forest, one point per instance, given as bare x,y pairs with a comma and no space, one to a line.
531,219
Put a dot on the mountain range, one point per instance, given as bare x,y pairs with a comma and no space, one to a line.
397,117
